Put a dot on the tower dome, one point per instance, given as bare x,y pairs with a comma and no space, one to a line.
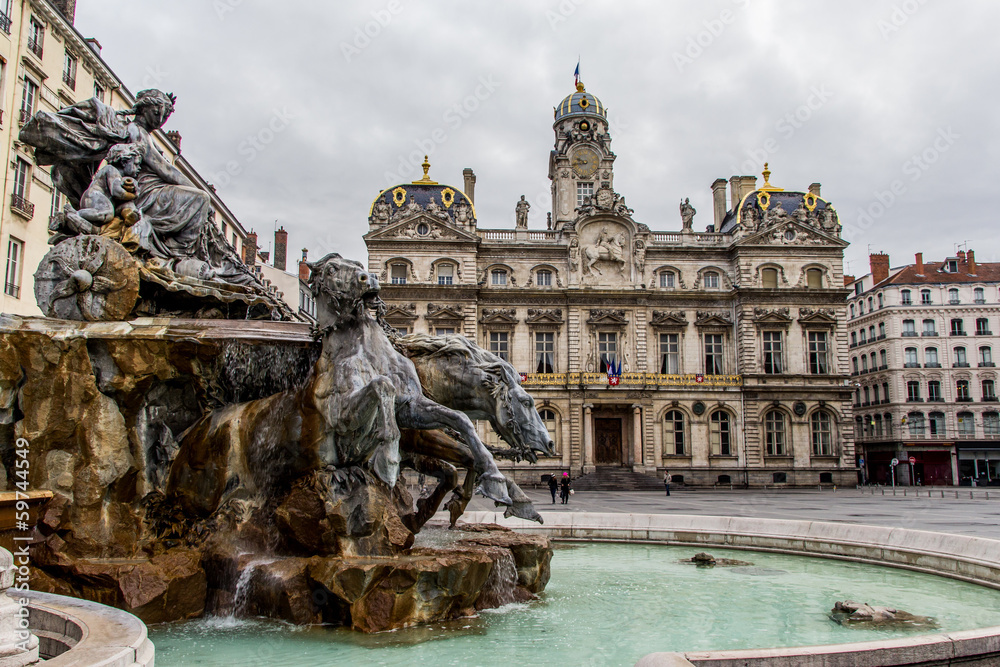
580,103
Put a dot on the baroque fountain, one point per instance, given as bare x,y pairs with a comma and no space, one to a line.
197,438
203,454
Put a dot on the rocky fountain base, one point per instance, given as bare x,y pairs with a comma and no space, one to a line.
102,408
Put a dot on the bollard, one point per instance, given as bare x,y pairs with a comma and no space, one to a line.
971,497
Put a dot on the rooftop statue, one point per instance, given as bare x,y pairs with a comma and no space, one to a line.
140,201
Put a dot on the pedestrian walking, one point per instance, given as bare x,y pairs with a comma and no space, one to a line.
553,487
666,482
565,488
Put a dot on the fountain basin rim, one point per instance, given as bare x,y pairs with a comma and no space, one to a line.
971,559
89,633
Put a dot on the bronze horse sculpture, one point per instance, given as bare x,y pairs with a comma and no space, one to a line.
350,412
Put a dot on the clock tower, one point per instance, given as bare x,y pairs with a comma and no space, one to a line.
581,165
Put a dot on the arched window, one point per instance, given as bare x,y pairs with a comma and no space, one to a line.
814,278
852,310
881,300
883,359
936,423
991,424
925,297
673,433
822,433
877,424
551,425
720,434
769,278
978,295
953,296
905,297
915,421
854,362
774,433
872,357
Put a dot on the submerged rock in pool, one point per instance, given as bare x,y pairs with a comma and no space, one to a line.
708,560
862,614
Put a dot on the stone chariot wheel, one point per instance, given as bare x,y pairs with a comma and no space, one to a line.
87,278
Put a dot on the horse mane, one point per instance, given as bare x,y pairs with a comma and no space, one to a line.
420,345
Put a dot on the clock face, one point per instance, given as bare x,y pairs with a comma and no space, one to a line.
585,162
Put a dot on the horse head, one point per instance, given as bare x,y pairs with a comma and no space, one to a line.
517,420
343,290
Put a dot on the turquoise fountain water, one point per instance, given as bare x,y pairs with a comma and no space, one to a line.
610,604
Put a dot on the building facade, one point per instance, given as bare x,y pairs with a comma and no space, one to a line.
718,356
46,65
922,342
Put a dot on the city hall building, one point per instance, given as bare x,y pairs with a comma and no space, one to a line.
717,356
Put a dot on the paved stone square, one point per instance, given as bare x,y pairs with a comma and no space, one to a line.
978,516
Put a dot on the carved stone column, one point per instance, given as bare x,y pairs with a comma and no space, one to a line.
588,439
638,460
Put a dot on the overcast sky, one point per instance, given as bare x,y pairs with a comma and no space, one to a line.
843,93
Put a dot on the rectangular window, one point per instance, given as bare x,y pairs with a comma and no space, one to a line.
499,344
711,280
12,275
985,356
670,358
909,328
5,16
36,37
913,391
931,357
966,423
934,391
930,328
772,352
22,171
961,361
607,348
983,327
98,91
498,277
958,327
818,353
989,390
673,433
444,331
544,278
57,203
29,99
991,423
446,273
962,391
397,272
925,297
583,192
713,354
69,71
719,434
978,295
906,298
545,348
667,279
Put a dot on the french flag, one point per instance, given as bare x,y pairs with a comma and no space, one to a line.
576,74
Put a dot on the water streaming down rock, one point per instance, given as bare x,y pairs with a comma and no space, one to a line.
245,586
501,586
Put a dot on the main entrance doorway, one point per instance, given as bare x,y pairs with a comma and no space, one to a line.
608,441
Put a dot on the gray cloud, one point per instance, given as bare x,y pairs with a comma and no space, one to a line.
698,90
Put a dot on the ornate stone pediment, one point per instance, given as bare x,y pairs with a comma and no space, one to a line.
601,316
421,226
663,318
817,316
772,316
401,311
440,312
713,319
791,232
499,316
544,316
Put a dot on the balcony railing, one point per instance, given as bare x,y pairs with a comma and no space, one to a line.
70,80
35,48
929,333
932,365
911,364
4,23
956,332
987,364
984,332
909,334
21,205
979,302
960,364
647,380
10,289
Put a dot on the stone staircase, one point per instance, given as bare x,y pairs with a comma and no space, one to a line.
617,479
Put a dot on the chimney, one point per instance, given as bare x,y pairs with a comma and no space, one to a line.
814,189
734,191
470,184
961,255
747,185
971,258
94,45
175,139
848,280
280,248
67,8
879,263
920,263
303,267
719,201
250,249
